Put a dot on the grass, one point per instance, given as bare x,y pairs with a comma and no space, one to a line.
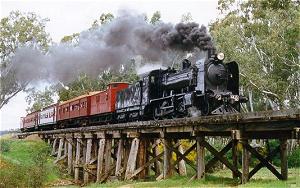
25,163
222,178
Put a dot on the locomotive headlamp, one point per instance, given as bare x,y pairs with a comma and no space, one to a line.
220,56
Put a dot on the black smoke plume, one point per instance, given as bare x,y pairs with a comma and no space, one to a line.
108,47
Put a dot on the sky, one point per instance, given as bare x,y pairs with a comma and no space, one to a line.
68,17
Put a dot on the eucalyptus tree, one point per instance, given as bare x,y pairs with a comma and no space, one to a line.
263,36
16,30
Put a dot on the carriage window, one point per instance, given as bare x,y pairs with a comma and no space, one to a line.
97,98
114,85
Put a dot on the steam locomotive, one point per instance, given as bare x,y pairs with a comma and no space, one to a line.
207,87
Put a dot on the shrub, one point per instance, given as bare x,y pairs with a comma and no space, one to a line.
27,164
4,145
294,158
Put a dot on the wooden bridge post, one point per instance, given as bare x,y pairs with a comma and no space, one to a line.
108,158
156,152
69,138
119,157
127,146
142,157
234,156
78,137
60,147
167,171
54,146
48,138
200,157
100,157
131,164
245,161
181,164
89,141
283,158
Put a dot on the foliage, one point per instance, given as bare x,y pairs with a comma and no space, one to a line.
16,30
103,19
27,164
39,99
84,84
294,158
262,36
155,18
187,17
4,145
73,39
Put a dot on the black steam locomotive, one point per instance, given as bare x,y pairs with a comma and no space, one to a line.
207,87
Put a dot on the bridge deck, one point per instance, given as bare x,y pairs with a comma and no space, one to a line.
281,122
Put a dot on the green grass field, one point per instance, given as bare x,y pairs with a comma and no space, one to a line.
222,178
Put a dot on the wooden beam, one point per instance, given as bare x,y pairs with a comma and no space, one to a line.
119,157
108,147
141,168
215,159
220,157
77,159
264,161
60,149
70,155
142,158
200,157
100,158
260,164
234,150
167,171
245,161
54,147
182,157
283,158
181,164
156,152
131,164
87,158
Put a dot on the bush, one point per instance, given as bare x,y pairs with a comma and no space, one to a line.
294,158
27,164
4,145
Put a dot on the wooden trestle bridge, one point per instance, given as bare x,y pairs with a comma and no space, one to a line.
131,150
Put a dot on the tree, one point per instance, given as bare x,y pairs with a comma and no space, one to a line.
187,17
72,39
263,37
85,84
16,30
103,19
155,18
39,99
